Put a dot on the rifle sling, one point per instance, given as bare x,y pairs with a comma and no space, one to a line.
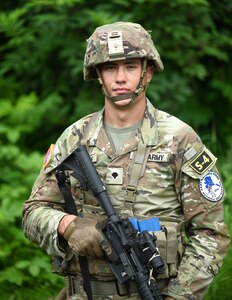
71,209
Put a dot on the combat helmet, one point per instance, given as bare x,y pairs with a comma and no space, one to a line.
117,41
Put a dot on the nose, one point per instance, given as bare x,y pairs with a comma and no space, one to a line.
120,74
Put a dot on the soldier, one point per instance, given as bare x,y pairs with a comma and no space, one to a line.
153,165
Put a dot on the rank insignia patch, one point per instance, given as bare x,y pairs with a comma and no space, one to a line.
211,187
114,176
202,162
48,156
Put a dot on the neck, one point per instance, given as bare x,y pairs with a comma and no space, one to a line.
125,115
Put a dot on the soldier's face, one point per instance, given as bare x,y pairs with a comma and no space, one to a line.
121,77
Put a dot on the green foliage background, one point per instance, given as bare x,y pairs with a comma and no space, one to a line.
42,91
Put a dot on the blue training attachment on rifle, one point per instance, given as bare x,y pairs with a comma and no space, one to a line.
148,224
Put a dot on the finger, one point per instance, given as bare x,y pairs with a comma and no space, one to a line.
98,252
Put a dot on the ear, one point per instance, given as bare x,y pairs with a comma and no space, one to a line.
98,71
149,73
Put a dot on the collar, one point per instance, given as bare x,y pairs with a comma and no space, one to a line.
149,128
147,134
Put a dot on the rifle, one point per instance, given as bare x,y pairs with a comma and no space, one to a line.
133,256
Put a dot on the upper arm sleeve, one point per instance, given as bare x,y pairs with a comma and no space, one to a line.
207,238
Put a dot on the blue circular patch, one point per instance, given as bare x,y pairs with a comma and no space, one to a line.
211,187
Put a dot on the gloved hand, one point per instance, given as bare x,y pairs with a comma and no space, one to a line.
83,238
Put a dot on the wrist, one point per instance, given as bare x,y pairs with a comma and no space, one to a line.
64,223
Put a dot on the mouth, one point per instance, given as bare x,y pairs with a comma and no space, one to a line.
121,91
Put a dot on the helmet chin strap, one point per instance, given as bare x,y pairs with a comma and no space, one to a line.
133,96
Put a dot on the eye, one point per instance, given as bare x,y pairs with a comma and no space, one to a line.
108,67
132,66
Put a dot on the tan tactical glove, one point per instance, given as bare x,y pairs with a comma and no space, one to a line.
83,238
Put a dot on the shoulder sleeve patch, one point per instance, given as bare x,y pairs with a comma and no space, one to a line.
198,164
48,156
202,162
211,187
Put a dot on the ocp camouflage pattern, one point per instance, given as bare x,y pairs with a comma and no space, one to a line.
168,189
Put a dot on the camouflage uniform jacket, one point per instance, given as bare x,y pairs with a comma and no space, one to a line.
176,184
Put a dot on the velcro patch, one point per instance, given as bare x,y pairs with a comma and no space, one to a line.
202,162
211,187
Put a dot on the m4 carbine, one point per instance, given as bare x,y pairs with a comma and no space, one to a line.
132,255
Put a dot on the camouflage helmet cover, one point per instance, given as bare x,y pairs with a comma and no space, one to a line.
117,41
